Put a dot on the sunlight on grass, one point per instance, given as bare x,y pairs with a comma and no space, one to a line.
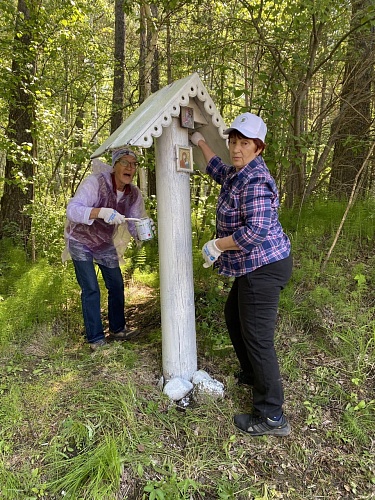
149,279
96,426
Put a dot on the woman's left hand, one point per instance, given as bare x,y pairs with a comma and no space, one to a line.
210,253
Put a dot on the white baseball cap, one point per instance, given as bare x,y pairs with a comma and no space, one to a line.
249,125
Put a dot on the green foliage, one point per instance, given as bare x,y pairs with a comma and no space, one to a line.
26,485
81,424
142,259
102,423
75,436
32,294
203,216
13,264
13,232
358,420
72,84
211,329
357,347
315,224
170,487
94,473
147,278
48,229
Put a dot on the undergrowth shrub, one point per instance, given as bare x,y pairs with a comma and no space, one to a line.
32,294
358,420
13,264
314,226
143,257
334,307
87,421
49,219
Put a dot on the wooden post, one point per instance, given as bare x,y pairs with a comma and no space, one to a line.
179,350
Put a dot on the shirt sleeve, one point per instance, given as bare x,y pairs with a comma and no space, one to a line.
218,170
79,207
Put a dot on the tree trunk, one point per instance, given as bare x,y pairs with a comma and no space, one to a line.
168,43
118,73
142,54
296,179
148,78
155,85
352,145
19,169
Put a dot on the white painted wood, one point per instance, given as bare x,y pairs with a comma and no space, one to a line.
158,120
156,113
179,350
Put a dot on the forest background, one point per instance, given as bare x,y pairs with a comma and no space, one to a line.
71,72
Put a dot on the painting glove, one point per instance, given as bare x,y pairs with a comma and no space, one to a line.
210,253
111,216
196,137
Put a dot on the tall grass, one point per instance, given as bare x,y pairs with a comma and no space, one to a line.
97,427
94,474
31,294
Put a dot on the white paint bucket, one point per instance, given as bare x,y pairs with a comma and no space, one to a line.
144,230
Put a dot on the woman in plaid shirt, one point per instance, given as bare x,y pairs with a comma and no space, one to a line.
251,247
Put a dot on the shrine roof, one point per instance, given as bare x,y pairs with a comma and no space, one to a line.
157,111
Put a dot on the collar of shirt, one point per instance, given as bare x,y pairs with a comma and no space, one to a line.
244,172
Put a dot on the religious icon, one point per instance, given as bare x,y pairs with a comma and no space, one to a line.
184,159
187,117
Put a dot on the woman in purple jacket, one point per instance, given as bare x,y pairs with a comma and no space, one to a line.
98,210
251,247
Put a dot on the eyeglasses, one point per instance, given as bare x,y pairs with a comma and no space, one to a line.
126,163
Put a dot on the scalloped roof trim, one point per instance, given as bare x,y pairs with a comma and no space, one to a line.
156,113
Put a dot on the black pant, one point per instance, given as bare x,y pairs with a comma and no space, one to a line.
250,314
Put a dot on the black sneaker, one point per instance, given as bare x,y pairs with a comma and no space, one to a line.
262,426
125,334
244,378
97,345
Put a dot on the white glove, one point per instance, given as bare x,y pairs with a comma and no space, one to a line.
196,137
111,216
210,253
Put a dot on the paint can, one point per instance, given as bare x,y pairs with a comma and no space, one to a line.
144,230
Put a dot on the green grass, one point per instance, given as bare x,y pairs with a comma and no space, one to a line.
96,426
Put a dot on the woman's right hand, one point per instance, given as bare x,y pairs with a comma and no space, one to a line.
196,137
111,216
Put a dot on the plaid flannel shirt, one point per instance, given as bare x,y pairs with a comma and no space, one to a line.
247,209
